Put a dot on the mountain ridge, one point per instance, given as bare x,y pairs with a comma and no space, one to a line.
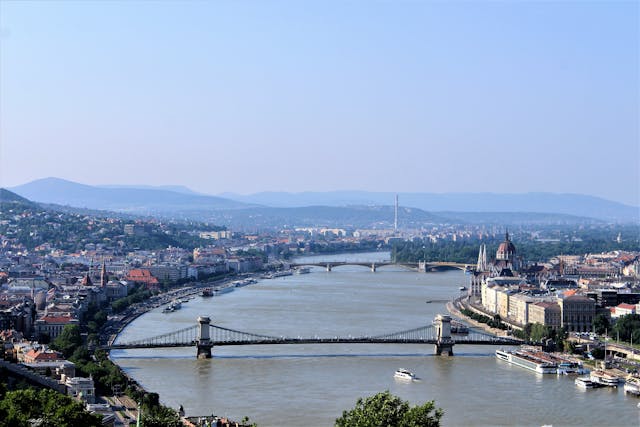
540,202
163,200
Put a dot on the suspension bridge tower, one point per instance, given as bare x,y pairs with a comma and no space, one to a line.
444,343
203,342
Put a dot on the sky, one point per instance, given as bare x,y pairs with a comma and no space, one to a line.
250,96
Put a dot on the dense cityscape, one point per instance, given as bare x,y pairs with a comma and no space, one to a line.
351,213
71,281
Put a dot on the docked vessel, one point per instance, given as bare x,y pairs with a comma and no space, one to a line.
244,282
206,292
632,386
175,305
585,383
603,378
224,290
303,270
571,368
462,288
403,374
282,273
536,361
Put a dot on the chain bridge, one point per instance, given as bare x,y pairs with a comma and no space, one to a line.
444,334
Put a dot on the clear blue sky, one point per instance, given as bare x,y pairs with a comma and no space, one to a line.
248,96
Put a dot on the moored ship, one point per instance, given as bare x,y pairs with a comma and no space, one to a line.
632,386
206,292
533,360
585,383
604,378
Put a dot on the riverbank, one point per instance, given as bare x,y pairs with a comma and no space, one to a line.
125,407
454,307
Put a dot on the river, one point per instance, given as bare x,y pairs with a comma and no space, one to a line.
310,385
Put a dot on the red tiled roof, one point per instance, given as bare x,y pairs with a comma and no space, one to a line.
141,275
57,319
43,356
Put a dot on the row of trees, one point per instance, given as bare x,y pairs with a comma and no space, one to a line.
138,294
494,322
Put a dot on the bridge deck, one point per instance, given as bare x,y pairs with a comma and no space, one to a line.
497,341
221,336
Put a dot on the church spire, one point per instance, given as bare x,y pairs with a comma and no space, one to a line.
103,274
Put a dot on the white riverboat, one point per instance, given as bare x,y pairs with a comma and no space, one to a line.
222,290
571,368
403,374
585,383
536,361
632,386
603,378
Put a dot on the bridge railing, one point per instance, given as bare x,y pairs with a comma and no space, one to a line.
186,336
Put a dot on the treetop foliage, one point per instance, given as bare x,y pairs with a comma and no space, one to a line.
387,410
45,408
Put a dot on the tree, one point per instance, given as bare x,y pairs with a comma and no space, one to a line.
626,326
19,408
385,409
68,340
601,324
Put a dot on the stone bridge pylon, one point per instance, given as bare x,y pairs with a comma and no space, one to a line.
444,343
203,342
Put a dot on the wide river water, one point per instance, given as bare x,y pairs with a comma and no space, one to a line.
310,385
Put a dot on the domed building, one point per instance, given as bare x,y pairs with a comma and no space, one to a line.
506,254
507,250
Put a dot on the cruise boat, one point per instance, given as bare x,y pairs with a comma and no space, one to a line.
403,374
601,377
244,282
585,383
534,361
206,292
632,386
220,291
303,270
282,273
462,288
571,368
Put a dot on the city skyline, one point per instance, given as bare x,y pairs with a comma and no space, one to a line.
278,96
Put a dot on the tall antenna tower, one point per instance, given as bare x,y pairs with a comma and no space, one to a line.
395,222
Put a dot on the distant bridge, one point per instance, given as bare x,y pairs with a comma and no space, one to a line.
205,336
422,266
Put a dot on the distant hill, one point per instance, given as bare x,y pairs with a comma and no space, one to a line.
175,188
131,200
7,196
332,209
567,204
379,217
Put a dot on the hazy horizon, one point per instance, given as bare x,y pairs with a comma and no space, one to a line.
281,96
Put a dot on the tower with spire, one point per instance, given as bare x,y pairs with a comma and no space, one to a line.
104,278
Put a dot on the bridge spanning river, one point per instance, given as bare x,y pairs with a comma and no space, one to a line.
205,336
423,266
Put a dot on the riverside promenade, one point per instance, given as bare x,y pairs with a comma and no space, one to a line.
454,307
